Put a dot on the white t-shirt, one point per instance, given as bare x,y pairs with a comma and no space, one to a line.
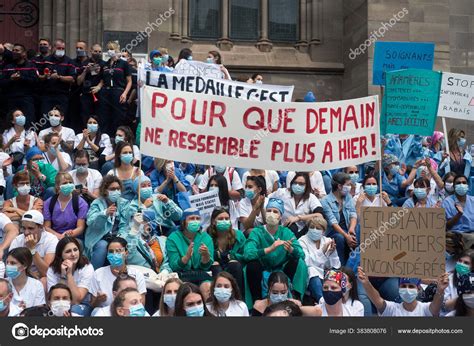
55,162
270,178
67,134
46,245
236,308
15,311
353,308
82,277
449,293
303,208
316,180
235,185
109,150
368,203
393,309
103,143
93,179
32,294
4,220
18,146
245,209
103,280
345,312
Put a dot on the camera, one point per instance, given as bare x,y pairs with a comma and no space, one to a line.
78,187
21,331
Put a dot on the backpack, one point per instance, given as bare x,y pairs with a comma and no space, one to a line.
75,204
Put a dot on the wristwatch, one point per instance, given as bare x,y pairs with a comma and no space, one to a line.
33,252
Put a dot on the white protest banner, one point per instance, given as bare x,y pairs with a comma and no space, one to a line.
218,87
214,130
456,99
205,202
198,68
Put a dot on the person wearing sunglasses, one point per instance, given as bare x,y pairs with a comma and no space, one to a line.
273,247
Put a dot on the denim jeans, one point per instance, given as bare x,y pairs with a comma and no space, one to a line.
99,254
316,288
388,289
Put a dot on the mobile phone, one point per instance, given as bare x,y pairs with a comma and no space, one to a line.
79,187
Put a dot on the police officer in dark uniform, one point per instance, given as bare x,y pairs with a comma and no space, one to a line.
44,51
74,119
58,74
18,81
90,82
117,83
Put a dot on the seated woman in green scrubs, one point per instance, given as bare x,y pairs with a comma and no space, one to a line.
273,247
191,251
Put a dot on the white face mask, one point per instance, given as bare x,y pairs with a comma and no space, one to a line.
468,299
273,219
315,234
346,189
111,53
24,190
59,307
60,53
449,187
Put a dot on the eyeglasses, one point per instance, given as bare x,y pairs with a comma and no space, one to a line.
222,208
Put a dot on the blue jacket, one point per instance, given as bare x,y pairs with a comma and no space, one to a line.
331,210
409,152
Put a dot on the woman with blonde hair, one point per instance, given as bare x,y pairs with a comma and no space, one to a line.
168,298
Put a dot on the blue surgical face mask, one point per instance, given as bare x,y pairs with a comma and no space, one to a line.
190,58
170,300
114,195
394,170
250,194
67,189
210,60
461,142
370,190
93,127
194,226
126,158
157,61
165,58
115,259
54,121
461,189
12,271
195,311
462,269
20,120
420,192
82,169
298,189
278,297
214,188
346,189
315,234
146,192
222,294
408,295
137,310
3,306
119,139
354,177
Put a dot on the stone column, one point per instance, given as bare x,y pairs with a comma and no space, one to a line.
72,27
302,44
46,18
316,17
185,26
59,19
224,43
175,27
264,44
84,22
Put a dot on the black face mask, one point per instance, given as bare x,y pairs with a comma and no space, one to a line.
96,57
16,56
43,49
